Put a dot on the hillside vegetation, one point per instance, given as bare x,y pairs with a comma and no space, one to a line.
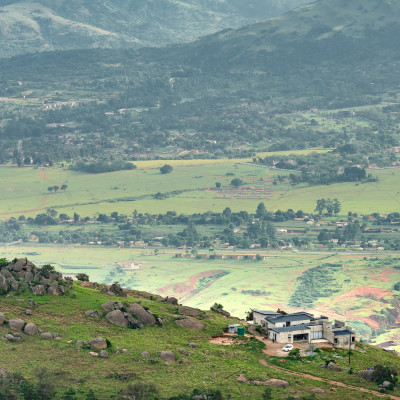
321,75
77,351
42,25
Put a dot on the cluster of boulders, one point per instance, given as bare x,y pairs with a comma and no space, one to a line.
219,310
332,366
169,357
39,280
133,316
113,290
17,325
279,383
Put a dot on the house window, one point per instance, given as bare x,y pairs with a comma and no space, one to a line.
353,339
289,336
335,340
316,335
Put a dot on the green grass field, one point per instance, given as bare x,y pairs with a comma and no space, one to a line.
190,188
209,366
365,296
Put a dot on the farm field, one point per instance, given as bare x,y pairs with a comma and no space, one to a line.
356,288
190,188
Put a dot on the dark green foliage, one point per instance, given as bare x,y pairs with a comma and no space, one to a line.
397,286
315,283
267,395
236,182
45,387
90,395
294,354
102,166
69,394
140,391
3,263
82,277
46,270
384,373
166,169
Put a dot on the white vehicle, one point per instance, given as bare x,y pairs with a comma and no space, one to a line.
287,347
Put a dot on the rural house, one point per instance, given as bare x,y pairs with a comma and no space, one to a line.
302,326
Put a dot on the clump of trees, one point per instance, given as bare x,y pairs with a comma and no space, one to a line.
331,206
166,169
99,167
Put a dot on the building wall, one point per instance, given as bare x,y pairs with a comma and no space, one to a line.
286,337
283,324
258,318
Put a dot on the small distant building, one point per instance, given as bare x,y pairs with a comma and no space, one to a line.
233,328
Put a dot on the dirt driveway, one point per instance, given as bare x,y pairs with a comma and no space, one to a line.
275,349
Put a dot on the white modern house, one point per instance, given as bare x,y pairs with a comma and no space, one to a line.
304,327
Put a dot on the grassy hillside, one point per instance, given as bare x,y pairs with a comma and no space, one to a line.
31,26
361,292
209,366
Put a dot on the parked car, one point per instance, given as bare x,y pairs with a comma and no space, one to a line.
287,347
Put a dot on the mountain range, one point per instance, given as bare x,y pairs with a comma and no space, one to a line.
45,25
228,87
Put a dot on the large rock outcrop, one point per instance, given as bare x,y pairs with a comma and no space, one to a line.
40,280
190,323
117,317
141,314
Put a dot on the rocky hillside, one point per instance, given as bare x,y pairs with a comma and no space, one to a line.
31,26
91,341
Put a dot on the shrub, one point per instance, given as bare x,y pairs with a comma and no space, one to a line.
82,277
294,354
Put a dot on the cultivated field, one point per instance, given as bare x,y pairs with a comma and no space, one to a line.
190,188
359,288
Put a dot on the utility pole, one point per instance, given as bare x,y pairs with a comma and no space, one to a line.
350,349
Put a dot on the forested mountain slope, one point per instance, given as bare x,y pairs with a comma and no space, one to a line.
40,25
231,88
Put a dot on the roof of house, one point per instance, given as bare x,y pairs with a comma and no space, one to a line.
289,318
266,312
293,328
343,333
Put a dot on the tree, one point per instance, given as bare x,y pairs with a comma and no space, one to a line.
140,391
336,206
76,217
90,395
294,354
51,213
64,187
261,210
45,386
236,182
321,204
55,188
82,277
50,188
69,394
166,169
267,395
217,185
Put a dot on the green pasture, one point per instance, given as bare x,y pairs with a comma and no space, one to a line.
188,189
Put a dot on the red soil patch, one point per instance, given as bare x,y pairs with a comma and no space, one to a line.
184,288
383,276
365,291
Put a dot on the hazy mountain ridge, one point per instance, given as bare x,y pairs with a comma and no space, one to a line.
43,25
230,86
